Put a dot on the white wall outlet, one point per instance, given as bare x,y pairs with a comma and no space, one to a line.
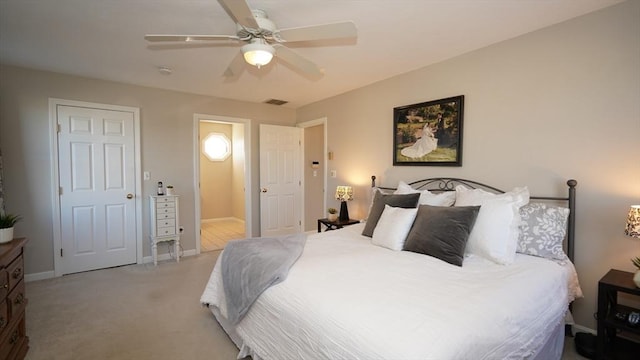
334,173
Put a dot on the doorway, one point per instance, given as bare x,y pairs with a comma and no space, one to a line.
223,206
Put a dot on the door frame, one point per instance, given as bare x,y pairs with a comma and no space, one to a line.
55,180
248,194
303,125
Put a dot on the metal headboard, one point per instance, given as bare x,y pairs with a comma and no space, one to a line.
440,184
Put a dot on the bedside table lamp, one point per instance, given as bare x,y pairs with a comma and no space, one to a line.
633,230
344,193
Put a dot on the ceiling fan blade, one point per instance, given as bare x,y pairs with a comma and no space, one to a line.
188,38
296,60
240,12
340,30
235,67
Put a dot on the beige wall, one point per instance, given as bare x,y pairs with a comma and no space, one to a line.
313,184
216,177
237,185
167,148
559,103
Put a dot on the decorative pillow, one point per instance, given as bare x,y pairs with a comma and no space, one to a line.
495,233
542,231
466,196
393,226
442,232
379,201
446,198
372,195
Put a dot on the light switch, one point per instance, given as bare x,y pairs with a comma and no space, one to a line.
146,175
334,173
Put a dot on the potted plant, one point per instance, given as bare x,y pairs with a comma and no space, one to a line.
636,277
7,221
333,214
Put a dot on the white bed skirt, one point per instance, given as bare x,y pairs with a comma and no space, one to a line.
552,349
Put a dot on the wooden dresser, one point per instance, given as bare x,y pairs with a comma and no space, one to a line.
14,342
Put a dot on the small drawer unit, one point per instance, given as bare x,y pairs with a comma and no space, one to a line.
165,223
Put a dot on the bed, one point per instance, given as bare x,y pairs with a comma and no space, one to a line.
355,296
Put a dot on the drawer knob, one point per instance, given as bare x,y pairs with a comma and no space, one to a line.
17,273
6,286
14,338
19,299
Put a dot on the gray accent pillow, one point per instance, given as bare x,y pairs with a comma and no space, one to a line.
407,201
442,231
542,231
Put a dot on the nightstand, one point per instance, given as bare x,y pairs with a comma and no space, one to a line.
334,225
614,333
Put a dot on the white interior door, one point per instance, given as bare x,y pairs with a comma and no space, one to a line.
280,180
96,161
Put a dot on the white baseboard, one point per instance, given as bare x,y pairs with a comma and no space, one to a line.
580,328
147,259
39,276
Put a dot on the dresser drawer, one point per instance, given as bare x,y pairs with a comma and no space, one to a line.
4,283
16,272
166,215
167,211
166,231
4,317
17,300
166,205
14,342
161,199
166,223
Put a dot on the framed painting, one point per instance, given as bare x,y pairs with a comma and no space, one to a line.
429,133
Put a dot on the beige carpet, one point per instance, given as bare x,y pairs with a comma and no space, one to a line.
132,312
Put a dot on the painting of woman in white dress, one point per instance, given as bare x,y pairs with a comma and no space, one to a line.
429,133
424,145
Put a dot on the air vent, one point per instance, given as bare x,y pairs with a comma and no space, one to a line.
275,102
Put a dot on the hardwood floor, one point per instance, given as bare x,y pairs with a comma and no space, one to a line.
216,232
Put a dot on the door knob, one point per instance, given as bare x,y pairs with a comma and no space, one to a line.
129,196
264,190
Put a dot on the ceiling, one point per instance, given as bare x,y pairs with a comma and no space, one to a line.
104,39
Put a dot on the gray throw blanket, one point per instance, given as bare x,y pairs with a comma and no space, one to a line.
251,266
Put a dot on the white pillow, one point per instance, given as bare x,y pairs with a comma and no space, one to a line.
473,197
495,233
393,227
446,198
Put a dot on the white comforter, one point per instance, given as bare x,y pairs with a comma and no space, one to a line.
348,299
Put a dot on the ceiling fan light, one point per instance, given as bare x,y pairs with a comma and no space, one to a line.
258,53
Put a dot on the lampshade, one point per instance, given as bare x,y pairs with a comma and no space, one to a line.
344,193
633,222
258,53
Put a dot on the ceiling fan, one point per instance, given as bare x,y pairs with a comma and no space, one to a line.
263,40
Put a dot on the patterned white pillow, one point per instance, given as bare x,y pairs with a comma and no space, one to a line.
542,231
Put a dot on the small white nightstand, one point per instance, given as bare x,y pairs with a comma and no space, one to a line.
165,224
